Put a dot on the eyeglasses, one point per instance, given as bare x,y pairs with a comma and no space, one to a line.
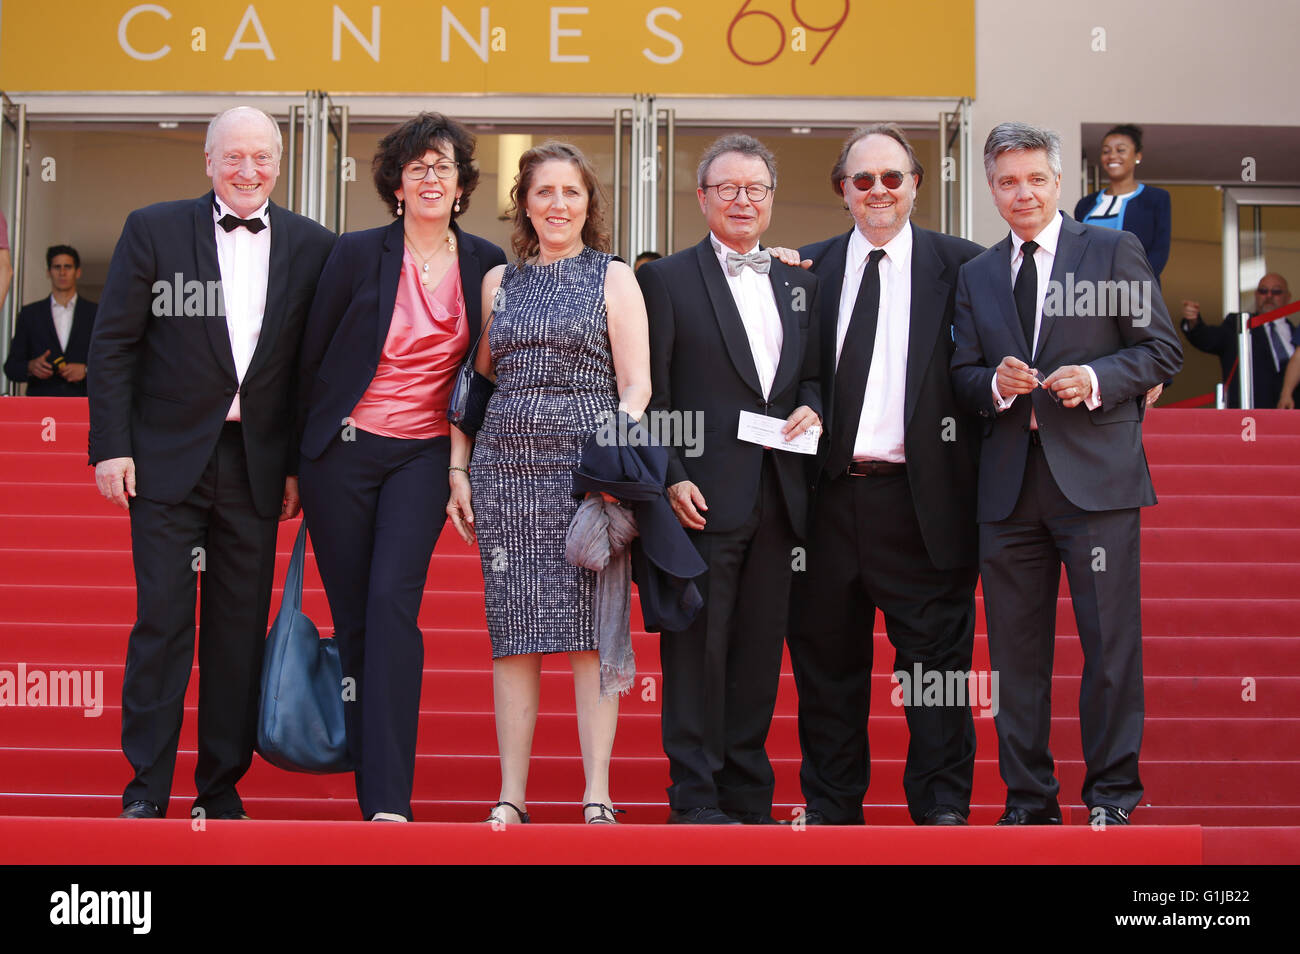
1270,291
727,191
866,181
418,171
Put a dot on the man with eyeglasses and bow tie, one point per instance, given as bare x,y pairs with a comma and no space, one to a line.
732,331
192,420
893,519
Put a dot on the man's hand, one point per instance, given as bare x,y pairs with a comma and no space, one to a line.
1286,403
687,503
802,418
1154,394
73,372
115,479
790,256
1191,311
292,503
1070,383
1015,377
38,367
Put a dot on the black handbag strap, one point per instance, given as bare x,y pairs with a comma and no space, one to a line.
292,597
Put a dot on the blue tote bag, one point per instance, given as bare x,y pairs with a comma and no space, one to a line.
300,721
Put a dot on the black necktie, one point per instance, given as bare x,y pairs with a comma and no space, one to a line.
1025,292
854,365
231,222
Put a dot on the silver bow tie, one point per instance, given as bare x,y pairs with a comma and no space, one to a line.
760,261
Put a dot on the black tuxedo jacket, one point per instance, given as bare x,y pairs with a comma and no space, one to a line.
1096,457
701,363
940,439
351,316
160,385
34,333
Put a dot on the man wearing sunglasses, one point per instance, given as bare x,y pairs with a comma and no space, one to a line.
1271,345
893,522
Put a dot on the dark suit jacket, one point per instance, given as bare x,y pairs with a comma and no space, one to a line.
351,316
940,472
700,362
1096,457
1148,217
34,333
1222,341
160,387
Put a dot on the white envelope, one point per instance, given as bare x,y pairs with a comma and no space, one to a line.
766,432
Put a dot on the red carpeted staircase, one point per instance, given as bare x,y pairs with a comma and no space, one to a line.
1221,613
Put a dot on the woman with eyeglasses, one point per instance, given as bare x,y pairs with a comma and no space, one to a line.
1126,204
396,310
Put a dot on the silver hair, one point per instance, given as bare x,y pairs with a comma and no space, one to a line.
735,142
216,121
1018,137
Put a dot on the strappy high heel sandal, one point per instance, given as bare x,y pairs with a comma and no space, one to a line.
523,815
604,815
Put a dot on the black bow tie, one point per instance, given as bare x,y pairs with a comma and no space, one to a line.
230,222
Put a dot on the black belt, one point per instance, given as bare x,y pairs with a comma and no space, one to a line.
874,468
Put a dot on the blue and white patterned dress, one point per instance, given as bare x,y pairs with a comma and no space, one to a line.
555,385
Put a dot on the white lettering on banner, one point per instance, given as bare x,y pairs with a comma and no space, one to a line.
480,47
663,34
130,15
371,46
237,42
556,33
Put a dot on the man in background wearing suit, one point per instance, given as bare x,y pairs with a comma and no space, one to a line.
1060,381
893,519
52,336
1271,345
731,331
192,421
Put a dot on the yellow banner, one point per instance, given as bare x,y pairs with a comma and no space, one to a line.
733,47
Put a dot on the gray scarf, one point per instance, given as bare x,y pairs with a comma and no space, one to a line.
599,539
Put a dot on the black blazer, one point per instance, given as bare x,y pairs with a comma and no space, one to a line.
1147,216
350,318
942,460
160,386
1221,340
701,363
1096,457
34,333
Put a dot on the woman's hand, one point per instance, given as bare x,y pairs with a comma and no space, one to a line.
459,508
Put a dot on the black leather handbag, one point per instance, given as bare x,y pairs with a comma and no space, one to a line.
470,393
300,719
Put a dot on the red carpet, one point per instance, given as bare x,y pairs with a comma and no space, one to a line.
1221,614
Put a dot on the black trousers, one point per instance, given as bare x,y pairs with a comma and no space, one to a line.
375,507
216,534
1020,561
865,551
720,676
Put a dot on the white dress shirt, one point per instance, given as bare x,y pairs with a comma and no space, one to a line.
1044,258
880,426
63,319
245,261
756,303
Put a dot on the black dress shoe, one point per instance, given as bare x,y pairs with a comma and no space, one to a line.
141,809
231,814
754,818
700,816
1022,816
1113,815
943,815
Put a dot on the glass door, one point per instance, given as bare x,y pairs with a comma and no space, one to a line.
955,183
13,196
317,160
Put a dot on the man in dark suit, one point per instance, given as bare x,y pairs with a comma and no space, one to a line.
1060,330
52,336
731,331
192,424
1271,345
893,519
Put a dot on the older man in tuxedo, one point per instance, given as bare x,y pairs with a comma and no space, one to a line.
893,522
731,330
192,420
1060,330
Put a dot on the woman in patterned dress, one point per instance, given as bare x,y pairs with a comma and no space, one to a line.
567,346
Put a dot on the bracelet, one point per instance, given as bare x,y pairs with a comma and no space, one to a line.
464,470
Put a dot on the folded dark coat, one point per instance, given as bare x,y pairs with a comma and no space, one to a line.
619,459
